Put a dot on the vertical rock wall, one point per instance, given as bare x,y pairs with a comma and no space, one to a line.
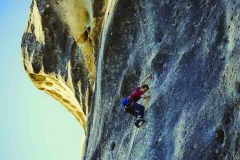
89,56
192,50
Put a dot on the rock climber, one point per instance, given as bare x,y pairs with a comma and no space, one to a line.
130,103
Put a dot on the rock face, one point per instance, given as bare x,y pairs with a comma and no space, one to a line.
59,50
192,50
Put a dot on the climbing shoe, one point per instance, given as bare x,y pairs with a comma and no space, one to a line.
139,122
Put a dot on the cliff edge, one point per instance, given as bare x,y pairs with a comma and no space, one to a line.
89,56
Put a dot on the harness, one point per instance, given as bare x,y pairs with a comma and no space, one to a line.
128,106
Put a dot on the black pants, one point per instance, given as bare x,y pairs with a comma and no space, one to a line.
137,110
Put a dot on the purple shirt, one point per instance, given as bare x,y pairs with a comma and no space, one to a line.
135,95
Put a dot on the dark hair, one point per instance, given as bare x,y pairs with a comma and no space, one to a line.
145,86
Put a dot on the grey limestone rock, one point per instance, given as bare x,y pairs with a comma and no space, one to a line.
192,50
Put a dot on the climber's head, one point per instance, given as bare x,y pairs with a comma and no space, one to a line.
144,88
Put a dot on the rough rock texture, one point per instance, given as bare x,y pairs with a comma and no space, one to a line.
59,48
192,49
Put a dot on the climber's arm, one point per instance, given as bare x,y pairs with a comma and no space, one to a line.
144,80
145,96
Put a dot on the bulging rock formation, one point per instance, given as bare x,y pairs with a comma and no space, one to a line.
59,50
89,56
